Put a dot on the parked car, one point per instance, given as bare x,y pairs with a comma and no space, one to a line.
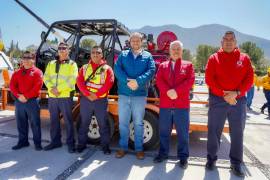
199,80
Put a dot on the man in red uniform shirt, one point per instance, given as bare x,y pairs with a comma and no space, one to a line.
95,80
229,75
25,85
174,80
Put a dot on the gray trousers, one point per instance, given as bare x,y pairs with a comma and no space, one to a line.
219,111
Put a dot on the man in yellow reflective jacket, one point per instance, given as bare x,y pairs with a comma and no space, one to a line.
60,79
95,80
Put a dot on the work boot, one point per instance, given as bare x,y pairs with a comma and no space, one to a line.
237,170
71,149
106,150
38,147
81,148
183,164
210,165
159,159
140,155
19,146
51,147
120,153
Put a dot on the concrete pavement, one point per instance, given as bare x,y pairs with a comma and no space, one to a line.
92,164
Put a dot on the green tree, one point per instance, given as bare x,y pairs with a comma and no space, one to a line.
14,50
256,55
87,43
202,54
11,48
187,55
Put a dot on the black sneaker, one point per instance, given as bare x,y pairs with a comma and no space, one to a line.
71,149
159,159
38,147
210,165
183,164
106,150
81,148
51,146
19,146
237,170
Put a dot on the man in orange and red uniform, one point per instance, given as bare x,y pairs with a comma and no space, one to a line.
25,85
95,80
229,75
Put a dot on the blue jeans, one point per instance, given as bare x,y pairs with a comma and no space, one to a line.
131,106
179,117
250,95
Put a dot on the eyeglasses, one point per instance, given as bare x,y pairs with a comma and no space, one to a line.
62,48
96,52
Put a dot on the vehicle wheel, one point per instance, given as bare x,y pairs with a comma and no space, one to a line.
93,132
150,135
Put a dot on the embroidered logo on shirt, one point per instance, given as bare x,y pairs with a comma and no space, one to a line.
31,73
183,71
239,63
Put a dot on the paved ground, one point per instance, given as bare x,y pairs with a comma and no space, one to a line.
92,164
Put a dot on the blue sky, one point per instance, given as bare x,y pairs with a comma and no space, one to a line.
247,16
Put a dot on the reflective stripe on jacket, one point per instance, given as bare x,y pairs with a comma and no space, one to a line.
64,80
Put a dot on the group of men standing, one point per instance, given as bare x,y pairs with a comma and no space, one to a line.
228,75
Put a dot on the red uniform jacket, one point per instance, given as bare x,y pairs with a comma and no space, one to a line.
229,72
27,82
181,79
105,88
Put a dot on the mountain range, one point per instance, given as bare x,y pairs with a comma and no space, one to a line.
206,34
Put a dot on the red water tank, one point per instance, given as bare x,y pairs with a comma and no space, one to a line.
164,39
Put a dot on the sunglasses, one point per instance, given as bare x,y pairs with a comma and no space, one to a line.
96,52
27,57
62,48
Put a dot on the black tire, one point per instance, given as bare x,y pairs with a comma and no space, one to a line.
93,133
151,129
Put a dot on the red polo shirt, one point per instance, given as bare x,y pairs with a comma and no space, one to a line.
27,82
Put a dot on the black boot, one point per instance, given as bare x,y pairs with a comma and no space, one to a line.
237,170
106,150
51,146
20,145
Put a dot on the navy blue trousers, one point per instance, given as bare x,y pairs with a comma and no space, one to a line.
267,104
24,112
219,111
63,106
180,118
87,110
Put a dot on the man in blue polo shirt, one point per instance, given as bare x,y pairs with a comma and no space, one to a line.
134,69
